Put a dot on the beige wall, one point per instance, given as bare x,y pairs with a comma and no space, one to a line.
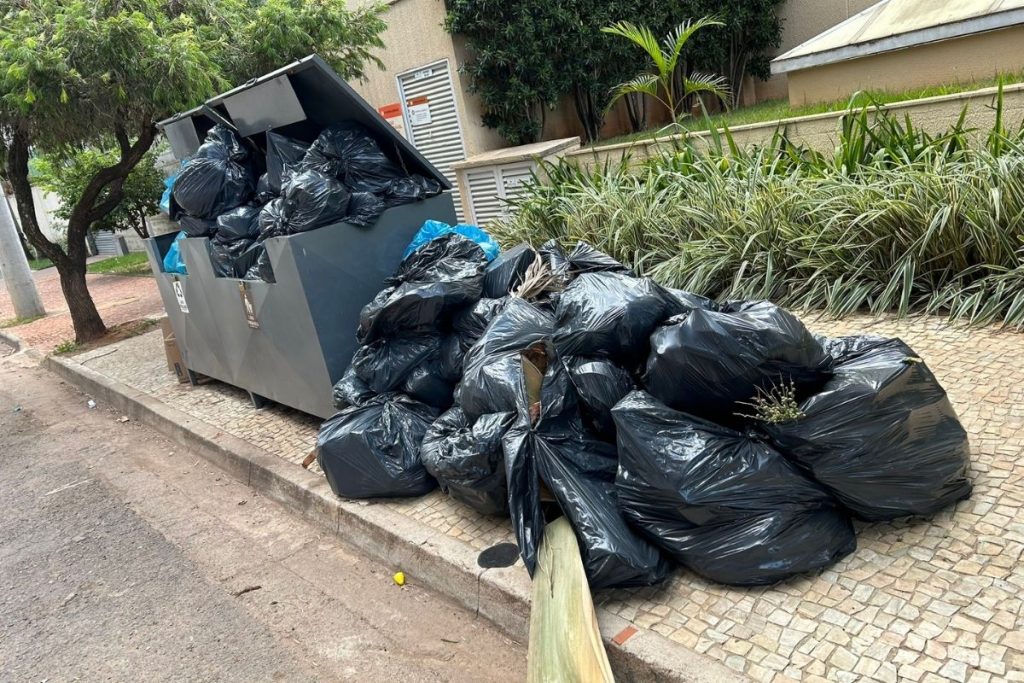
963,60
801,21
821,131
416,37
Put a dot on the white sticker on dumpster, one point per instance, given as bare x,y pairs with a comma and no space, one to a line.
179,293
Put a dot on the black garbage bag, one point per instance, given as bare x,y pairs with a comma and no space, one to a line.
470,322
609,315
386,363
467,459
261,269
582,258
845,348
223,143
681,302
579,471
229,257
248,259
411,188
506,271
238,224
492,369
263,191
440,277
433,379
217,178
373,450
600,384
706,362
351,390
881,435
348,151
364,208
725,505
312,200
272,221
283,156
197,227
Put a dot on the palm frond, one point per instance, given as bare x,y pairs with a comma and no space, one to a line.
708,83
673,43
643,37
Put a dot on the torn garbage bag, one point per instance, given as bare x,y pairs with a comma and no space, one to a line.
608,314
706,362
881,435
467,460
351,390
492,368
506,272
283,157
725,505
600,384
238,224
440,277
547,445
348,151
312,200
373,450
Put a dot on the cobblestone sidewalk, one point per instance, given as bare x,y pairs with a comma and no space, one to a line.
920,600
120,299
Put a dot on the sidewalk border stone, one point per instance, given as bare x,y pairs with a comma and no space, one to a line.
437,561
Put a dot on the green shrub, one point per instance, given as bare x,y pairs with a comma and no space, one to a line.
895,220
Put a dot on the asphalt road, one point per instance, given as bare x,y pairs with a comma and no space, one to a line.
124,557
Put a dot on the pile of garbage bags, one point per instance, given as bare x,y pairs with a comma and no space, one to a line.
239,197
668,428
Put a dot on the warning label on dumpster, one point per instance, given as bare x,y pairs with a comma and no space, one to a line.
179,294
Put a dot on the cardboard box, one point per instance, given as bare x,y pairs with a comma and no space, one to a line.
174,360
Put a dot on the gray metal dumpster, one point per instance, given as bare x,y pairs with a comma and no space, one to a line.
288,341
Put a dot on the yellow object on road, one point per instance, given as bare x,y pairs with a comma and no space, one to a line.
399,578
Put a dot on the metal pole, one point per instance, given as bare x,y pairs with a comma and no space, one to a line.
14,268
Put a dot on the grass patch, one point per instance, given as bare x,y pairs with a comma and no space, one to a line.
65,347
14,322
39,263
114,334
775,110
135,263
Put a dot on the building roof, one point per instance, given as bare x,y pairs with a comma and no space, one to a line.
899,24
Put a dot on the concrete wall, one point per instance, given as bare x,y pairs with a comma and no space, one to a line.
821,131
416,37
966,59
801,21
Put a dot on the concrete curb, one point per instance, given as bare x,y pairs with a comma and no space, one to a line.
431,558
12,340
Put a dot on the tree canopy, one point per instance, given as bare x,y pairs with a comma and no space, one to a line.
76,74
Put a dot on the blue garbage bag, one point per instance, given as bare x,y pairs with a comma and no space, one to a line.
172,261
434,229
165,198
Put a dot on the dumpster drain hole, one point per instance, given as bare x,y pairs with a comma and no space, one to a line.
501,555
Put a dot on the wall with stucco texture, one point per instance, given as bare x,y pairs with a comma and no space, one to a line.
963,60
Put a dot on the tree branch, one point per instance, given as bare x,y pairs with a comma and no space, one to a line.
18,174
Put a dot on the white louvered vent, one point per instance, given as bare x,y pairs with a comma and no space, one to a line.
432,119
491,186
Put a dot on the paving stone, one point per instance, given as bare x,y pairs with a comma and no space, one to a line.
933,593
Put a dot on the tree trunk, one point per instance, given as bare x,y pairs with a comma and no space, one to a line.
84,316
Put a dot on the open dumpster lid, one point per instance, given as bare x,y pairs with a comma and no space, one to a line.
302,98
